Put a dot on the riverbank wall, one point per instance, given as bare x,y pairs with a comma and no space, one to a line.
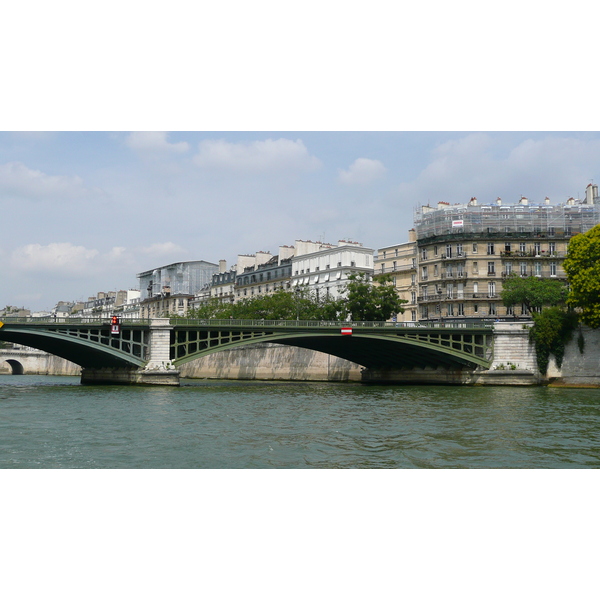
30,361
272,362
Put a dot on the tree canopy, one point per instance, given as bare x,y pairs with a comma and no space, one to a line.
582,266
367,302
533,292
362,301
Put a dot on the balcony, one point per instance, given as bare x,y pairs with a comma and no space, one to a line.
532,254
457,256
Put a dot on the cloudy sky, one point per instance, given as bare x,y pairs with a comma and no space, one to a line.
234,128
84,212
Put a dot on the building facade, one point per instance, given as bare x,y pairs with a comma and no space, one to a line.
185,278
465,251
324,268
400,263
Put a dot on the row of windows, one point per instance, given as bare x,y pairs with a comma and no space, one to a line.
458,310
523,268
459,249
327,267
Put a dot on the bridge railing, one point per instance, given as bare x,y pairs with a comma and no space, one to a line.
321,324
71,320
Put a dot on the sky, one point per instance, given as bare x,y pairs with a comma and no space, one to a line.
85,212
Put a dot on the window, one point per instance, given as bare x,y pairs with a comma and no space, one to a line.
435,250
460,292
424,292
461,310
395,265
537,248
492,289
552,269
492,308
448,250
475,288
396,252
413,315
450,310
475,308
508,268
475,269
424,273
423,253
384,254
413,279
491,268
507,247
523,268
552,248
449,293
459,249
352,264
424,312
475,248
414,263
522,247
550,230
537,269
413,297
460,269
490,248
383,267
510,310
435,270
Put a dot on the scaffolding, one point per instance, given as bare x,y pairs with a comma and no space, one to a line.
177,278
517,220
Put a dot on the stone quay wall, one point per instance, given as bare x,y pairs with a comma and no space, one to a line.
36,362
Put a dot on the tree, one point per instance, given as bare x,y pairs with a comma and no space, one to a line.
533,292
582,266
552,330
300,304
367,302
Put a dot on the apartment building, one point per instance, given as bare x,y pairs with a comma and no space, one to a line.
400,263
465,251
325,268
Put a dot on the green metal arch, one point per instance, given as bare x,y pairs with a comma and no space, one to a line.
28,337
455,355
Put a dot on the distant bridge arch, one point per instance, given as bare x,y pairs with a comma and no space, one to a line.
16,367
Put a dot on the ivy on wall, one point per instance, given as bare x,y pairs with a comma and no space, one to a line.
552,330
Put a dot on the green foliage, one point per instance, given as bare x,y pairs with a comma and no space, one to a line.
299,304
367,302
533,292
363,301
552,330
582,266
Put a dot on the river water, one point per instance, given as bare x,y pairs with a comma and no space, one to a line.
53,423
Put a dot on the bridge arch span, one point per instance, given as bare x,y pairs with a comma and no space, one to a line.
16,366
86,353
366,349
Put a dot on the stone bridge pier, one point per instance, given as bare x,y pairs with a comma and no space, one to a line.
159,370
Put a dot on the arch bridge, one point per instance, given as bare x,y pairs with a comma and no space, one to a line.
149,351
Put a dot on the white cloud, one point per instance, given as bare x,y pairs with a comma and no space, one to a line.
163,249
362,171
63,258
154,141
259,156
485,166
18,181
